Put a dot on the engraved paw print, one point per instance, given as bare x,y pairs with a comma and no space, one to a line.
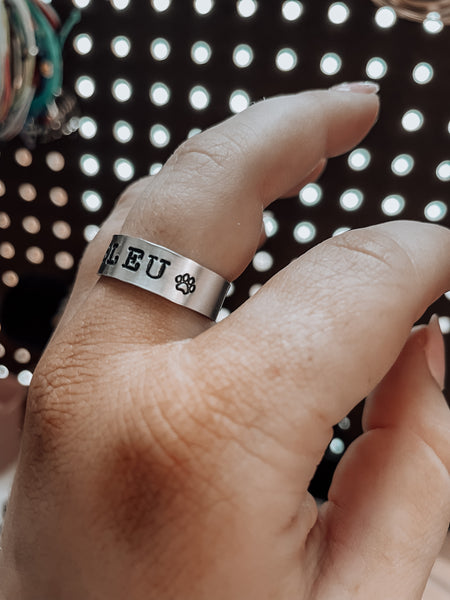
185,283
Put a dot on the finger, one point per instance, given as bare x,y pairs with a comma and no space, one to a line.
310,178
389,503
315,340
213,191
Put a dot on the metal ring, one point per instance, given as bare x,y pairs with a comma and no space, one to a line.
165,273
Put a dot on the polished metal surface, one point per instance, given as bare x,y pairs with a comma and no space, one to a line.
165,273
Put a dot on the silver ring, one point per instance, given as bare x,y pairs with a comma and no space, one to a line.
166,273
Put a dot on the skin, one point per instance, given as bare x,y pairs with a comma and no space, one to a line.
164,457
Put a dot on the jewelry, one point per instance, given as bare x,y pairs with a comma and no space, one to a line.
166,273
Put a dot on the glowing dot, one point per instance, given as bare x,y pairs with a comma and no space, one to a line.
25,377
385,17
160,49
89,164
402,164
201,52
291,10
58,196
61,230
64,260
304,232
4,372
122,90
5,221
376,68
340,231
88,128
22,356
242,56
2,351
120,4
393,205
270,224
311,194
423,73
161,5
330,63
24,158
199,97
124,169
31,225
203,7
262,261
344,424
359,159
337,446
286,59
338,13
90,231
155,168
55,161
351,199
433,23
444,324
412,120
123,131
223,314
194,131
34,255
2,188
81,3
121,46
254,289
443,170
246,8
83,43
85,86
159,94
91,201
10,278
239,101
7,250
435,211
27,192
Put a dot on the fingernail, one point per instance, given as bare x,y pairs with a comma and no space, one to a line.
435,351
357,87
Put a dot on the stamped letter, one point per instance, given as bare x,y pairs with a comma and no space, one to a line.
162,268
132,262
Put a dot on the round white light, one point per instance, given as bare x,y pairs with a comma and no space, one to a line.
87,128
246,8
286,59
120,4
159,136
412,120
444,324
120,46
159,94
161,5
435,211
443,170
351,199
262,261
83,43
239,101
203,7
123,169
376,68
393,205
311,194
423,73
89,164
91,201
155,168
337,446
193,131
292,10
85,86
385,17
270,224
359,159
242,55
199,97
90,231
123,131
433,23
338,13
304,232
81,3
160,49
340,231
201,52
4,372
122,90
402,164
330,63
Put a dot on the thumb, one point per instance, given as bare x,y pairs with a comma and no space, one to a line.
389,503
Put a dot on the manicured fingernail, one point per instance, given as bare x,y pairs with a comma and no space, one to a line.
357,87
435,351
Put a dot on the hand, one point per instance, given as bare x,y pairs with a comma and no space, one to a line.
167,458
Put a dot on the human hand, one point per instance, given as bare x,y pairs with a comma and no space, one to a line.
167,458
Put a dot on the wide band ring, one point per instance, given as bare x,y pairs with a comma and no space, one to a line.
165,273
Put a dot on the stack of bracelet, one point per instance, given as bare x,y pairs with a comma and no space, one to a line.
32,101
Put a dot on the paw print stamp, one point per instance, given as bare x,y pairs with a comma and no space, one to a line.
185,283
